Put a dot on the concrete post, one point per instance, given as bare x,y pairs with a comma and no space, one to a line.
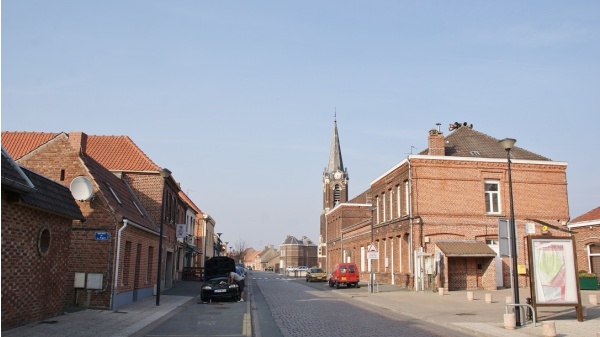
510,321
441,291
508,299
594,300
469,295
548,329
488,298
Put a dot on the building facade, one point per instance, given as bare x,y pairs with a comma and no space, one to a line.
434,217
37,214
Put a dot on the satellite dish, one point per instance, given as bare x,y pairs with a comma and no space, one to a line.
81,188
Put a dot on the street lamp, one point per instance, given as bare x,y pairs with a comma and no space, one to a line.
507,144
165,174
372,209
217,248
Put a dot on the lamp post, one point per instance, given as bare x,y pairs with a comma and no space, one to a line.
164,173
226,243
218,250
507,144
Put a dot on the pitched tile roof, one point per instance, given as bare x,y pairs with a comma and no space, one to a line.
116,153
119,195
119,153
190,203
589,216
466,142
465,248
19,143
41,193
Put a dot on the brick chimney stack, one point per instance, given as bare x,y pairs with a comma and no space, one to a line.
78,141
436,143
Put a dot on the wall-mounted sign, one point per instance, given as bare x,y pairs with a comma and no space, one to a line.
101,236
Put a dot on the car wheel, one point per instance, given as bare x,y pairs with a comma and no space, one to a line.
337,285
330,284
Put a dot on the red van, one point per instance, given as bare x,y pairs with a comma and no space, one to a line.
344,273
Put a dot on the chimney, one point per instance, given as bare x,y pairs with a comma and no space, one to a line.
436,143
78,141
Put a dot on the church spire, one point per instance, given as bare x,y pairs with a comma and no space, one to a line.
335,153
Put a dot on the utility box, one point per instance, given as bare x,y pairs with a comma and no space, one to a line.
94,281
79,280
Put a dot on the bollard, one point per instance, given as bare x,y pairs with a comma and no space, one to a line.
510,321
594,299
469,295
441,291
508,299
488,298
548,329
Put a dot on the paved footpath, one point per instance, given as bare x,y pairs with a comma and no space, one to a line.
452,308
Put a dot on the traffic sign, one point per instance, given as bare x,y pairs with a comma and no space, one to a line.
372,255
372,248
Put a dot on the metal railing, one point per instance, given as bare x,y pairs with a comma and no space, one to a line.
522,311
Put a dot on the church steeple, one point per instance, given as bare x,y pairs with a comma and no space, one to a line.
335,175
335,153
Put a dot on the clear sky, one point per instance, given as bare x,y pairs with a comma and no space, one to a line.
237,98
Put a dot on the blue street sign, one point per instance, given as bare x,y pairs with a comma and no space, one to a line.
101,236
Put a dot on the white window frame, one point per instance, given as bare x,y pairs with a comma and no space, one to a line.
406,197
398,208
489,196
391,204
384,207
377,208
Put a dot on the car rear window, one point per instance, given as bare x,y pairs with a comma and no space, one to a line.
351,267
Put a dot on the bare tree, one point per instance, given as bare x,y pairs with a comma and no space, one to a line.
240,247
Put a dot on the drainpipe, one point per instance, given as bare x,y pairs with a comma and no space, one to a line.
114,292
411,265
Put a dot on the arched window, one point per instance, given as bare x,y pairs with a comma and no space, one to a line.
336,194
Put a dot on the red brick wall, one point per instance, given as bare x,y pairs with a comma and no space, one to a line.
448,204
31,282
92,256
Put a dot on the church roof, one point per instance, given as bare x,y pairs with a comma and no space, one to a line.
335,153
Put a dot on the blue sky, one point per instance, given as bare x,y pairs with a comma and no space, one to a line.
237,98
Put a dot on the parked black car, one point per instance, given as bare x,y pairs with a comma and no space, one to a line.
216,280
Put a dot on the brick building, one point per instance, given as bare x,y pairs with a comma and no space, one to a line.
294,252
434,217
117,246
586,230
36,233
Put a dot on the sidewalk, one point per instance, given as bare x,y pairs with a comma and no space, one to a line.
451,309
105,323
454,309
